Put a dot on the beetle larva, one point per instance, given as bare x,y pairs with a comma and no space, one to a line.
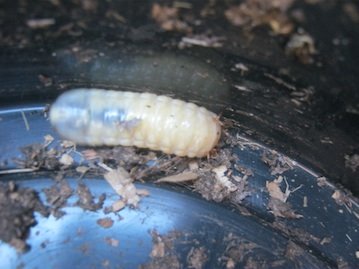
102,117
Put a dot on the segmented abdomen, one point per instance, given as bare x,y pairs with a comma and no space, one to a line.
101,117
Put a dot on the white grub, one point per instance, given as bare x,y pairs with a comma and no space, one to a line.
145,120
181,177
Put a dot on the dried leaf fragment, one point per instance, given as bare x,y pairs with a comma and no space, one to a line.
181,177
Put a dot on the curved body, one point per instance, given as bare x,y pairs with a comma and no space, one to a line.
102,117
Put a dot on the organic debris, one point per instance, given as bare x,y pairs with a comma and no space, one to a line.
122,183
352,162
253,13
278,199
86,199
163,254
18,206
57,196
168,18
214,184
237,249
301,46
274,190
197,257
278,163
281,209
38,156
342,199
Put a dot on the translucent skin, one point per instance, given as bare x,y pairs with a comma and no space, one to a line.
101,117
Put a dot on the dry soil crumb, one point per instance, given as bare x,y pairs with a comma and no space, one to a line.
17,207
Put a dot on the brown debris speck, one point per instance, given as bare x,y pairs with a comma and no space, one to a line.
105,222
